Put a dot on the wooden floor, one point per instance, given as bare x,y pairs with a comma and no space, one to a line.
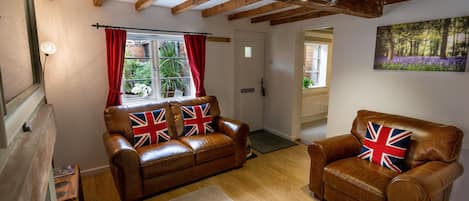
277,176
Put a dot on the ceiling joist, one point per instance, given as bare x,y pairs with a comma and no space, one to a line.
186,5
227,6
301,17
260,10
142,4
360,8
282,14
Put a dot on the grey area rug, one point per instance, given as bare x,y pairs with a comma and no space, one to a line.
266,142
212,193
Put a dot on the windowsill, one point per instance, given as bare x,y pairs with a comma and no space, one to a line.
316,90
144,101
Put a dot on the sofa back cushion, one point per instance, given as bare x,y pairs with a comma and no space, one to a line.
176,108
430,141
118,122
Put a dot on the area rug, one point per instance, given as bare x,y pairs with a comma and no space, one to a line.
211,193
266,142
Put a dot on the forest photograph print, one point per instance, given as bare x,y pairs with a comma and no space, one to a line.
437,45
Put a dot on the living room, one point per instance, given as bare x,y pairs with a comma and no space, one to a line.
77,85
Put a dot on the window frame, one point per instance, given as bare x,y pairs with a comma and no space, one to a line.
155,70
320,43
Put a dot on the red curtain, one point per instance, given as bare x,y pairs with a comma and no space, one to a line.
195,45
115,45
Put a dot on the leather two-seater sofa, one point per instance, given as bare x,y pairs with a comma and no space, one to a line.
144,171
432,159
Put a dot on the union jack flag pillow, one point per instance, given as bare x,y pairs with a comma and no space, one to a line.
197,119
149,127
385,146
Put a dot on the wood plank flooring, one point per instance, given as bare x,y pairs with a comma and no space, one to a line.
277,176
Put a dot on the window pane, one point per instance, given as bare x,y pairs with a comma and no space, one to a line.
138,49
137,76
174,71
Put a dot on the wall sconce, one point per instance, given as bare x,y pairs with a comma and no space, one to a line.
48,48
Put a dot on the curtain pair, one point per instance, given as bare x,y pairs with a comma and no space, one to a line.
115,45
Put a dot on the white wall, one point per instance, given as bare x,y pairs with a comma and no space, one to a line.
77,74
434,96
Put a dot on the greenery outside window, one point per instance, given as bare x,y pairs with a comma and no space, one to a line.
155,68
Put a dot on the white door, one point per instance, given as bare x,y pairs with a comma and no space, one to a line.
249,61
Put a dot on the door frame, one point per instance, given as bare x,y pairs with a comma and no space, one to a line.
237,73
298,79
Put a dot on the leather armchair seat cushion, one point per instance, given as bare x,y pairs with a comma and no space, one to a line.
159,159
209,147
358,178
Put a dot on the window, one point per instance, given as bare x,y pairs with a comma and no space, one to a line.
155,68
315,67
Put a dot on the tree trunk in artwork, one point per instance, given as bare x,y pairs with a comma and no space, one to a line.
390,42
444,38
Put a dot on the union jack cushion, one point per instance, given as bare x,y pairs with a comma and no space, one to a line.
197,119
149,127
385,146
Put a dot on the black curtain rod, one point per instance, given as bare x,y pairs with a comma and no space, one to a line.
97,25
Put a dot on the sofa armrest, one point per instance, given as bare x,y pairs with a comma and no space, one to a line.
237,131
423,182
327,151
125,166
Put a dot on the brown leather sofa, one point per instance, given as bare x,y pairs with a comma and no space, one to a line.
147,170
338,175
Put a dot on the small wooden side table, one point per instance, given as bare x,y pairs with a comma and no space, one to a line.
68,187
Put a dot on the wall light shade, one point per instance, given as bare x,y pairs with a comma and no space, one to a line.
48,48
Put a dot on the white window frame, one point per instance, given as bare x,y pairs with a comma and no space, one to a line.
320,69
155,65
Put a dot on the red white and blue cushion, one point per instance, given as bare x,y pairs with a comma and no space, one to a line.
197,119
385,146
149,127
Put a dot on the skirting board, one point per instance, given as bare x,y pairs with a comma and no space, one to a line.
279,133
95,170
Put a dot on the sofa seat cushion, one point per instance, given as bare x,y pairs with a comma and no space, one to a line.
159,159
358,178
209,147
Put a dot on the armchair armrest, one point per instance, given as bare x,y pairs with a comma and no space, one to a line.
125,166
424,182
237,131
325,152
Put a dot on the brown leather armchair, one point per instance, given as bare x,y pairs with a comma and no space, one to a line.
338,175
141,172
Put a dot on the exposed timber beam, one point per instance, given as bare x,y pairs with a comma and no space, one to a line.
361,8
142,4
227,6
282,14
98,3
186,5
301,17
259,10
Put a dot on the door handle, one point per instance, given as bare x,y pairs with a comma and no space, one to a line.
262,87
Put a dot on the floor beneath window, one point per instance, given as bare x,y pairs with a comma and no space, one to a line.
313,131
277,176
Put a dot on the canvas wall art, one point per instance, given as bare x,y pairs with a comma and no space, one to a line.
437,45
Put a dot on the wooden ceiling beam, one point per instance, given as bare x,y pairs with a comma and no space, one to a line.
227,6
186,5
306,16
142,4
282,14
360,8
98,3
260,10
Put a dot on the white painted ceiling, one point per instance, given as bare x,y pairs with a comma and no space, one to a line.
210,3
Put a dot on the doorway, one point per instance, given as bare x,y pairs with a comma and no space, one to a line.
249,64
314,96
